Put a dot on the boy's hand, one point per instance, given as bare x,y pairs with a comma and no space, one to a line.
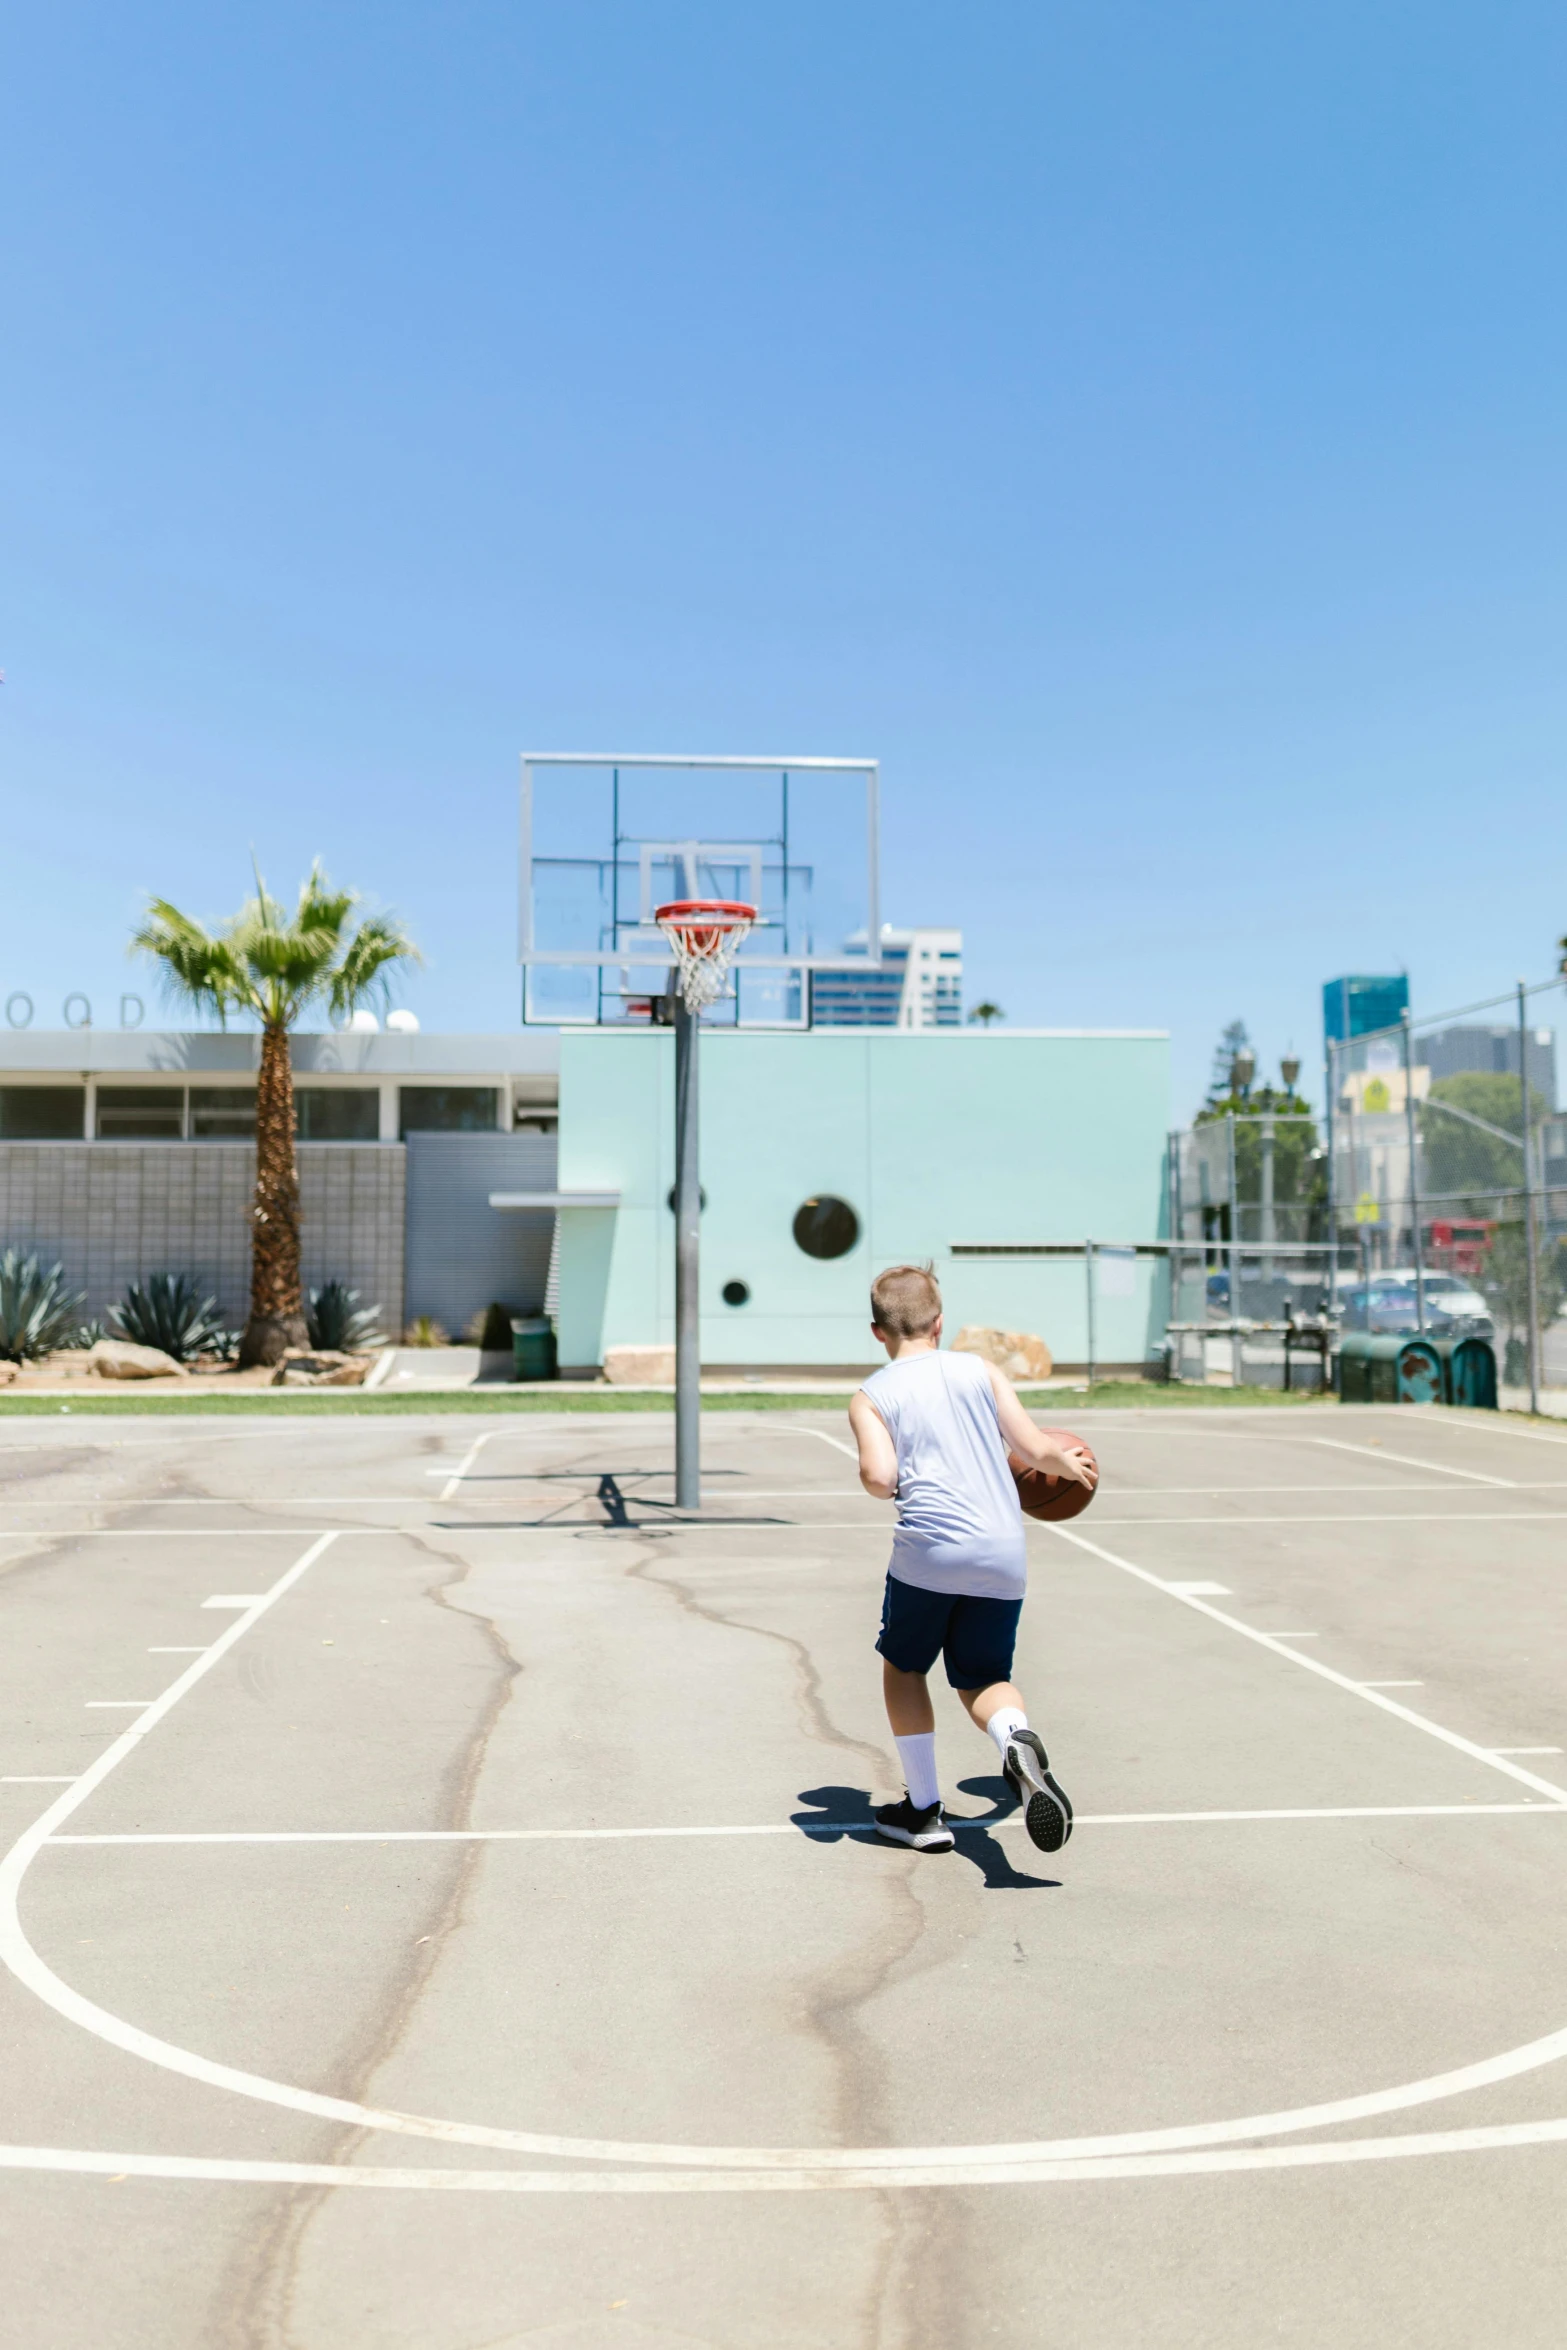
1069,1460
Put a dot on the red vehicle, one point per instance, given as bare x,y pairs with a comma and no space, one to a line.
1458,1244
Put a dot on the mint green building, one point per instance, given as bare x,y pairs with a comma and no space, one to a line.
994,1154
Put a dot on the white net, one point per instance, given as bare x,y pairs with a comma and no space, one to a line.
704,935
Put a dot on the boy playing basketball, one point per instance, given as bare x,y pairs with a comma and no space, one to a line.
933,1432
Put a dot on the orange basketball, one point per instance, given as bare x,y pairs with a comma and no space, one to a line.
1047,1497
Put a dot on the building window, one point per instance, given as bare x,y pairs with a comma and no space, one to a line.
223,1113
337,1113
42,1113
826,1227
446,1109
141,1113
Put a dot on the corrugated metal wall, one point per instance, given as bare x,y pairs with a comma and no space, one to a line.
461,1252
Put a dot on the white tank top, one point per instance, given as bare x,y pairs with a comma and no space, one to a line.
960,1526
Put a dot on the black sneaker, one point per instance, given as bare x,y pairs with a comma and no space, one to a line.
905,1823
1047,1814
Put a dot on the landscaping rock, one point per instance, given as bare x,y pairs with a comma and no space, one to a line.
117,1358
639,1366
320,1367
1017,1352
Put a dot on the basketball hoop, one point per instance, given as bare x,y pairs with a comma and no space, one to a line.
704,935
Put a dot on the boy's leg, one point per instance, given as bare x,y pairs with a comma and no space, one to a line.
979,1666
996,1697
909,1709
911,1630
913,1720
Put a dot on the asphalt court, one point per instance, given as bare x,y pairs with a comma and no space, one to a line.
427,1808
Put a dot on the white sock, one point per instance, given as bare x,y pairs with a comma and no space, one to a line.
1005,1723
918,1757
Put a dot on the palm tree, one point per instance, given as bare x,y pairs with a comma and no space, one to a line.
275,968
987,1012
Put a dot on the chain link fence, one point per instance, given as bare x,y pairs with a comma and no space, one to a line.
1431,1196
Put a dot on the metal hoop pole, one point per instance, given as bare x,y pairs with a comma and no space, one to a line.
1530,1238
688,1244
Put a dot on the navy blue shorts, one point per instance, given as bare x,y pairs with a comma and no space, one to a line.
976,1636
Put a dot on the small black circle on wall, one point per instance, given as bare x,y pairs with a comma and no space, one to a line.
701,1198
735,1293
826,1227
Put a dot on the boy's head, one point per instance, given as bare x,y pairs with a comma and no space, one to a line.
905,1303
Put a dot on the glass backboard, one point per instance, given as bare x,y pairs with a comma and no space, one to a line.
607,840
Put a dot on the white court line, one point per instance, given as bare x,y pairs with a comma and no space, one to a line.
1105,1819
1311,1664
900,2165
848,1450
1407,1460
1495,1424
391,1501
1025,2173
468,1459
1340,1518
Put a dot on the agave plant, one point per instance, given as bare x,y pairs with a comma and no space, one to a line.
168,1311
37,1311
338,1322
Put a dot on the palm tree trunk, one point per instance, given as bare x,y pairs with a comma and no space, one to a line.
277,1318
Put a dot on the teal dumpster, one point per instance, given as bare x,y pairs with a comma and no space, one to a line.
533,1347
1471,1373
1381,1369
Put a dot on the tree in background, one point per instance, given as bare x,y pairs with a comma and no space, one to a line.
987,1012
276,967
1221,1079
1504,1279
1299,1173
1457,1157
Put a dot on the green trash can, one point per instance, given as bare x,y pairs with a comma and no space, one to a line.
1383,1369
533,1347
1471,1373
1367,1372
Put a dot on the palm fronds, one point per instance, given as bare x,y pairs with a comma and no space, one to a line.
274,964
37,1311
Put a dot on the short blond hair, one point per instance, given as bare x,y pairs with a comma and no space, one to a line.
905,1301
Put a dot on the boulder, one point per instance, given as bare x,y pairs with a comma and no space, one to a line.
117,1358
639,1366
320,1366
1017,1352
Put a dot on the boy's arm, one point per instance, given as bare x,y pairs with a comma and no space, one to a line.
878,1455
1030,1443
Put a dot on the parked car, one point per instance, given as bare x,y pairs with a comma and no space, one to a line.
1390,1308
1449,1294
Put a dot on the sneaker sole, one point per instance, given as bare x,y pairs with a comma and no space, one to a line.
932,1839
1047,1809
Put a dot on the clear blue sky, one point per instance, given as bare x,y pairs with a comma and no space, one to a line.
1139,424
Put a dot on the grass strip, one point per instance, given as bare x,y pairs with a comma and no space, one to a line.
353,1402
